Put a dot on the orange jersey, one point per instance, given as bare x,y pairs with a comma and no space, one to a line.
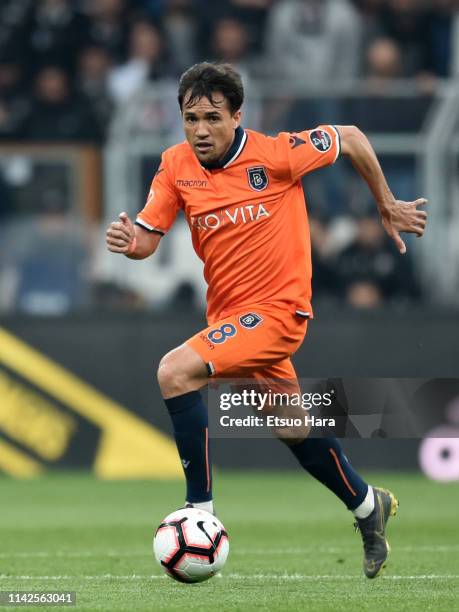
248,218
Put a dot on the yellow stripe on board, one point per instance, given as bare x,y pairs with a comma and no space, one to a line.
129,447
15,463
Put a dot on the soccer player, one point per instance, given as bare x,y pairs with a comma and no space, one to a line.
242,196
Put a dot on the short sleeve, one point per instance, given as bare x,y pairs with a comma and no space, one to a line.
309,150
162,205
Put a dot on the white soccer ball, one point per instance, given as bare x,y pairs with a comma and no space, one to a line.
191,545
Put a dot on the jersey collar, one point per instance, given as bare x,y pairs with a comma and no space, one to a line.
240,138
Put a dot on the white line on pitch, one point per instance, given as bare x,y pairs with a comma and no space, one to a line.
338,549
237,551
70,553
237,577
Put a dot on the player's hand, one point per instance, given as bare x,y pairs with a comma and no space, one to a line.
400,216
120,235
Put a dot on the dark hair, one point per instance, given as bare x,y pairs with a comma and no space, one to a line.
206,78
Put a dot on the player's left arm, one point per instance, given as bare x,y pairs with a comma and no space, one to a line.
396,215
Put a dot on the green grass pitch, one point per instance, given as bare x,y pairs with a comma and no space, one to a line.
293,546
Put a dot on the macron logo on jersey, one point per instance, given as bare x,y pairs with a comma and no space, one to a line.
240,214
296,141
191,183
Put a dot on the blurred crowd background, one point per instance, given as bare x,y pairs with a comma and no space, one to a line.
87,103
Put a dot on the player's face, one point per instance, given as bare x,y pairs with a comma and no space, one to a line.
209,128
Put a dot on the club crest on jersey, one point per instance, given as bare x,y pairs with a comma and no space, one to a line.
250,320
258,178
320,140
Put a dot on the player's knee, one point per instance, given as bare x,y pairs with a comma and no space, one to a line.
174,377
292,430
292,435
171,379
287,421
180,371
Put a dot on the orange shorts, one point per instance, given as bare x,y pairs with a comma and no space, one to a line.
254,343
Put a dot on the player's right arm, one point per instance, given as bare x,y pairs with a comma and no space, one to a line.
131,240
140,240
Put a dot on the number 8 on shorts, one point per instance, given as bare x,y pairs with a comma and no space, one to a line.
220,334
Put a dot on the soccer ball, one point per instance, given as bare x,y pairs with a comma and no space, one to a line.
191,545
